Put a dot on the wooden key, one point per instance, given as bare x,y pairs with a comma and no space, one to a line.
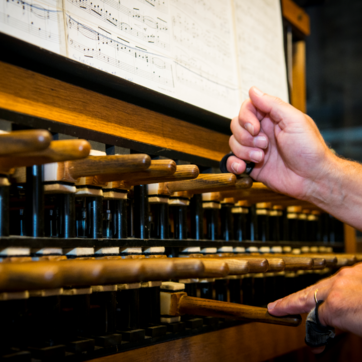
58,151
214,268
319,263
70,171
237,266
24,141
330,259
256,264
157,169
176,303
203,183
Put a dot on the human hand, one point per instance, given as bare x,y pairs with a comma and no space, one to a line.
342,296
286,145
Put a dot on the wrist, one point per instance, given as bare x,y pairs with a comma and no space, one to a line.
326,189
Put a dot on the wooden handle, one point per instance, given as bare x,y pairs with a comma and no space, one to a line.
319,263
24,141
203,183
276,264
256,264
237,266
214,308
157,169
297,262
58,151
331,260
105,165
217,268
183,172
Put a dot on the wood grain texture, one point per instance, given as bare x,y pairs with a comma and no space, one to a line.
104,165
24,141
183,172
34,94
157,170
296,16
350,241
203,183
299,93
58,151
251,342
215,308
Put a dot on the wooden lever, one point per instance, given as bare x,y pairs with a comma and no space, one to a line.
256,264
237,266
24,141
183,172
330,260
203,183
157,169
179,303
102,165
58,151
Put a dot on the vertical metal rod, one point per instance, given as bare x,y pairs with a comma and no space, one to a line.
163,225
141,212
4,210
67,215
227,222
197,217
95,217
34,207
119,213
180,220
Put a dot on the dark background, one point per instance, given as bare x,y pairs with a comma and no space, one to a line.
334,72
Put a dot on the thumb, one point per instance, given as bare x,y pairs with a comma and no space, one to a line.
274,106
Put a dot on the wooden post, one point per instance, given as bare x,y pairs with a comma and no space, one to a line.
350,242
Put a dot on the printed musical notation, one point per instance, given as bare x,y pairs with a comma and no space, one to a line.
182,48
37,22
106,51
260,47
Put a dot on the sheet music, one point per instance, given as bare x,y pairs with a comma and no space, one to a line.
259,36
39,22
204,54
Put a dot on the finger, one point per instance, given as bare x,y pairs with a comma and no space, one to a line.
246,139
300,302
279,110
249,117
246,153
235,165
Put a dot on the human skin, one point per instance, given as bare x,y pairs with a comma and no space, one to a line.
292,158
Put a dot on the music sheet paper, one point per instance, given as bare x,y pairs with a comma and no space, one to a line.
260,49
39,22
187,49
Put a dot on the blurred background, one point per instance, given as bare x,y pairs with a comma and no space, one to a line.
334,72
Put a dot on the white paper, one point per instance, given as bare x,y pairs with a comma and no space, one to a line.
38,22
260,49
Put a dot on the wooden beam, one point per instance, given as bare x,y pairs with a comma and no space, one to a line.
350,241
252,342
37,95
298,93
296,16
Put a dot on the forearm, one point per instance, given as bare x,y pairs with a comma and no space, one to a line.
339,190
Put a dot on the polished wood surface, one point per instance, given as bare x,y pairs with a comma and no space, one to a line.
34,94
252,342
299,89
157,170
103,165
58,151
24,141
215,308
296,16
350,240
203,183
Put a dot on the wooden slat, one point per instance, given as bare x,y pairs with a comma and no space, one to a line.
296,16
350,241
299,94
37,95
253,342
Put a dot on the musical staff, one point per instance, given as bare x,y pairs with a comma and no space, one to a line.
38,22
105,51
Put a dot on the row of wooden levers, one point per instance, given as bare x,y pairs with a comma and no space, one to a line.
80,302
